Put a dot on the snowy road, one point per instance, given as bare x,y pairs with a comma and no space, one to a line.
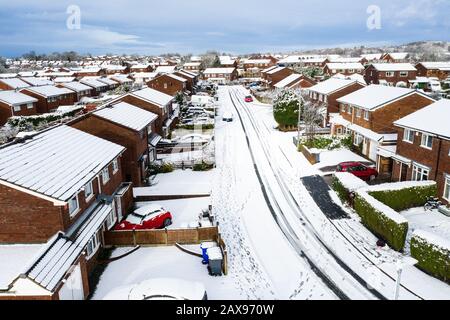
339,254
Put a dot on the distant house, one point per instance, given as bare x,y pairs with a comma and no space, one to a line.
170,84
14,103
221,75
440,70
97,85
423,147
192,66
81,90
166,69
392,74
90,72
156,102
111,83
227,62
276,74
328,91
137,68
190,77
369,114
50,97
345,68
36,82
295,81
395,57
13,84
128,126
61,188
252,67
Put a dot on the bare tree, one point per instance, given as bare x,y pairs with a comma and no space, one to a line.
312,114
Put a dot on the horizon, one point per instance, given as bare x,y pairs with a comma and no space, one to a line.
194,28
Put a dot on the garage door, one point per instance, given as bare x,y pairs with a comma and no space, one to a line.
73,287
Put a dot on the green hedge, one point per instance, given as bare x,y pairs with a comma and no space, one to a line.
407,198
432,259
380,224
341,191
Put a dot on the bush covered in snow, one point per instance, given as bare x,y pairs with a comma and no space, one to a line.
432,253
345,183
381,220
404,195
286,106
202,166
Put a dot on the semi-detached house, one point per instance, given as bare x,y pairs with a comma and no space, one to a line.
50,97
59,189
14,103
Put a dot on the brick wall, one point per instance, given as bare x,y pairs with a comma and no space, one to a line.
167,84
6,113
45,106
371,75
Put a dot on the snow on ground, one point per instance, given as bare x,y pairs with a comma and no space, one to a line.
334,157
185,212
14,259
430,221
179,182
163,262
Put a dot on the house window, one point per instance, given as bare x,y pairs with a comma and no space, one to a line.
88,191
92,245
342,108
366,114
420,173
403,73
389,74
447,187
105,175
358,113
30,106
408,135
427,141
17,108
115,166
110,219
73,206
165,85
349,109
358,139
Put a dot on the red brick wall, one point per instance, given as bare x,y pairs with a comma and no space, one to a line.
167,84
278,76
374,76
5,112
44,106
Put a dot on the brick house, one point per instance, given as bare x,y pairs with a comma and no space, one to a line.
97,86
61,189
423,147
252,67
80,89
111,83
392,74
190,77
221,75
192,66
329,91
440,70
295,81
169,83
156,102
14,103
136,68
345,68
369,114
13,84
90,72
50,97
128,126
228,62
276,74
395,57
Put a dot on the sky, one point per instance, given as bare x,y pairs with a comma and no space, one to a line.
232,26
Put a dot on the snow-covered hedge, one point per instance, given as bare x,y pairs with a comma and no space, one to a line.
344,183
404,195
433,254
381,219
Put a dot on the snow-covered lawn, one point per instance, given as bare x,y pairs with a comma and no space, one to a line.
430,221
179,182
163,262
185,212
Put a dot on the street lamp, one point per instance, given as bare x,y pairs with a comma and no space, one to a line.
299,116
400,265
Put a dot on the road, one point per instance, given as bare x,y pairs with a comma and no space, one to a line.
337,251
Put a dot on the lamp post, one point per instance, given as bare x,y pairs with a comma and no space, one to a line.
299,116
400,265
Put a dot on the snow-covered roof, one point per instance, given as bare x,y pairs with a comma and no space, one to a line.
154,96
257,61
269,68
434,119
187,74
331,85
394,67
372,56
398,55
345,66
108,81
127,115
192,64
37,81
76,86
436,65
165,69
345,59
56,163
93,82
15,83
275,70
219,70
13,98
288,80
63,79
375,96
121,78
178,78
49,91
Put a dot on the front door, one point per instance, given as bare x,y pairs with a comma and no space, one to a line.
404,171
118,202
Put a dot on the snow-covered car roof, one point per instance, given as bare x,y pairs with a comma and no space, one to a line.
160,289
145,210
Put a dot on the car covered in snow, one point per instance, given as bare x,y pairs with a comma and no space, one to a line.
227,116
248,99
160,289
358,169
193,138
150,216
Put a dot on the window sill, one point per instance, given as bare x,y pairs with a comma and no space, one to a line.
425,147
74,214
407,141
89,198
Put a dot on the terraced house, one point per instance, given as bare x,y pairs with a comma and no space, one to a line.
59,191
390,74
14,103
50,97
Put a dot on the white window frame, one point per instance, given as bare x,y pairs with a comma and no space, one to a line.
358,112
407,134
29,106
88,196
17,108
73,211
403,73
93,245
390,74
115,165
366,114
427,138
105,173
446,194
419,171
111,219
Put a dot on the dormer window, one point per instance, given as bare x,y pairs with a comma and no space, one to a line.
74,207
105,175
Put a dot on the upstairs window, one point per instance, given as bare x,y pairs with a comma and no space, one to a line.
358,113
17,108
403,73
366,114
73,206
115,166
447,187
389,74
408,136
88,190
105,175
427,141
30,106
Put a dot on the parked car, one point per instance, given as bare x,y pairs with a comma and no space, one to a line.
227,116
358,169
248,99
150,216
160,289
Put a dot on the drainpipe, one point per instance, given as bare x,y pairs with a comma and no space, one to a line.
438,158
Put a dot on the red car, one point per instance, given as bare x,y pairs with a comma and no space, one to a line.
248,99
147,217
358,169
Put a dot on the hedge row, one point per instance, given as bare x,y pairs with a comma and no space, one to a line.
344,183
341,191
406,198
432,257
381,220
